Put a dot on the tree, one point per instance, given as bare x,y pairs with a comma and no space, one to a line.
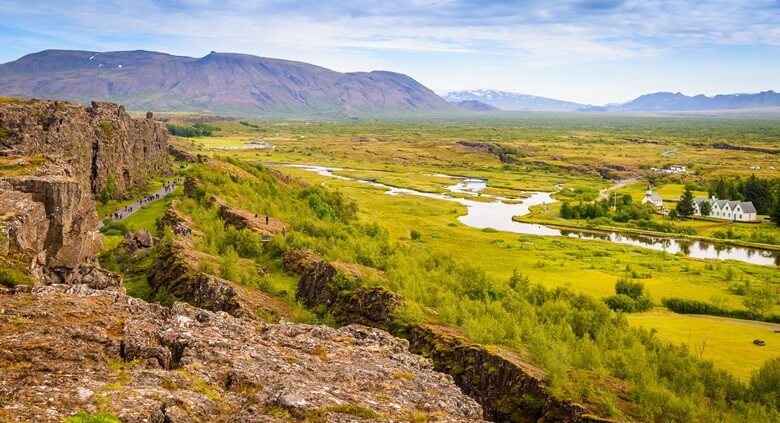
685,207
776,207
758,191
765,382
567,212
705,208
721,190
759,300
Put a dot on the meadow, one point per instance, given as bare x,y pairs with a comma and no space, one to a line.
470,277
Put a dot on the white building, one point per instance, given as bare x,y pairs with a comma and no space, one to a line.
677,169
740,211
652,198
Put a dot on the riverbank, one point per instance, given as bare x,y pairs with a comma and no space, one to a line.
601,229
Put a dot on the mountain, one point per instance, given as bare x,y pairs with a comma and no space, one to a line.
475,106
666,101
513,101
219,82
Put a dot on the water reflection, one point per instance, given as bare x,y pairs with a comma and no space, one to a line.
498,215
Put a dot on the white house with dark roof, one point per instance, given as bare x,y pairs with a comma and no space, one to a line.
652,198
740,211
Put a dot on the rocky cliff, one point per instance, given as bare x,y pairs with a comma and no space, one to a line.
70,348
55,158
508,389
49,222
94,143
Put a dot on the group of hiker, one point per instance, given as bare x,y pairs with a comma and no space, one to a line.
168,188
182,230
128,210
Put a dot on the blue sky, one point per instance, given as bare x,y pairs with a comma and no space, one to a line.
591,51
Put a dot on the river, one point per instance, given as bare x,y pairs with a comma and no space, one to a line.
498,214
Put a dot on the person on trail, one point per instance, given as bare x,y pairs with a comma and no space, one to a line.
267,219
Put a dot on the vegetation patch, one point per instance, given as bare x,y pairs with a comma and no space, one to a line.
84,417
10,277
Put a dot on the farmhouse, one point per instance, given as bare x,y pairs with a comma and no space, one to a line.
740,211
652,198
672,169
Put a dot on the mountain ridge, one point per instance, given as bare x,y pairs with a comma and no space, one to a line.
218,82
676,101
510,101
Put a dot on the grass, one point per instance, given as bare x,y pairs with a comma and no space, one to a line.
10,277
84,417
407,154
727,342
144,218
591,267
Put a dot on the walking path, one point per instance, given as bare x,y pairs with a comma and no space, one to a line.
668,153
619,184
129,210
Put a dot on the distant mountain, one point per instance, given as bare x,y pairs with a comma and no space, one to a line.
475,106
513,101
665,101
219,82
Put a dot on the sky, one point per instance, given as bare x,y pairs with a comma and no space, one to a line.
589,51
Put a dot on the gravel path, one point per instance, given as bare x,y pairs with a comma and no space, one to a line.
124,214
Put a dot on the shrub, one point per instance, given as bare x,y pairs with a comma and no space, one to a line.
84,417
765,383
629,297
685,306
621,302
114,227
12,277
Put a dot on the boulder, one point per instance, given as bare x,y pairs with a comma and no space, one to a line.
139,240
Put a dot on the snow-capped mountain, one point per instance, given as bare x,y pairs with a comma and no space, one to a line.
512,101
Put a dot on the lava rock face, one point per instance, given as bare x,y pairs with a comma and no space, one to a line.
48,221
51,221
71,348
94,142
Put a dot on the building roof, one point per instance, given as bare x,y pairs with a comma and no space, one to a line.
655,197
747,207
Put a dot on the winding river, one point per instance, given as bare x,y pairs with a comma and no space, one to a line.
498,215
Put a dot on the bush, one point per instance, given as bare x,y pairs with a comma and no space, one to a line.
631,289
765,383
629,297
114,227
685,306
621,302
84,417
12,277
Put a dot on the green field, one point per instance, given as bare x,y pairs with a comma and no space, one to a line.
727,342
467,277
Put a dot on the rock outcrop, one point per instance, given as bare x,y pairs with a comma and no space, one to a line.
50,221
508,389
242,219
70,348
95,142
48,213
176,274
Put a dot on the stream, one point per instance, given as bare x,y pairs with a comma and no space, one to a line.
498,214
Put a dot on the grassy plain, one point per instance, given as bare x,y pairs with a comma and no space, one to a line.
566,151
727,342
